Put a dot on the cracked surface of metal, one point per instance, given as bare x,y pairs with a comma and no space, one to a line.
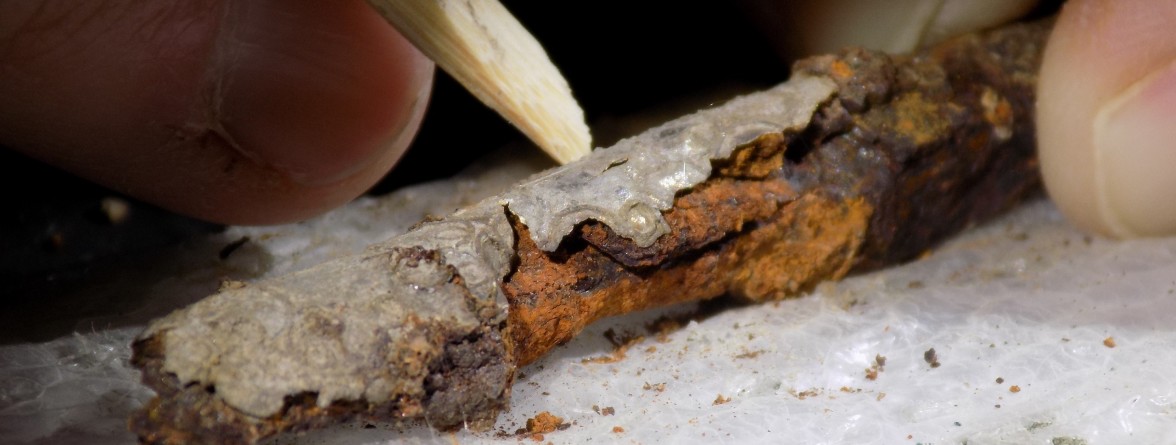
859,161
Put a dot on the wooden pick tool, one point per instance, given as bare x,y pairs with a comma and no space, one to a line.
480,44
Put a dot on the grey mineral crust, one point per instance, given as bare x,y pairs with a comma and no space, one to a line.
367,327
362,327
628,185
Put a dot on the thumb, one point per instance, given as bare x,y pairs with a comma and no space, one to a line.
244,112
1107,102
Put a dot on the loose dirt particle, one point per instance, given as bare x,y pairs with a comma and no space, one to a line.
931,358
871,373
806,393
874,369
116,210
544,422
659,387
752,354
999,380
720,400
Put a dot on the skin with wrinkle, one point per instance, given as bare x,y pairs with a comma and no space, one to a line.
272,110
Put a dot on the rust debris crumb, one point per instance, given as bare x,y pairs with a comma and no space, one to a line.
1014,389
719,400
813,392
618,430
931,357
606,411
878,366
545,422
1109,342
749,354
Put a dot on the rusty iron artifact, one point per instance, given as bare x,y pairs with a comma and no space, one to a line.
862,159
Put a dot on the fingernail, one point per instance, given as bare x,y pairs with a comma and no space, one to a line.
319,111
1135,154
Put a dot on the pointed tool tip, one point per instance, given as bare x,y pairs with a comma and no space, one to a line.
485,48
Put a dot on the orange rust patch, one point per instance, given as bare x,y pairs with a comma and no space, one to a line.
841,70
544,422
921,119
709,213
757,159
554,296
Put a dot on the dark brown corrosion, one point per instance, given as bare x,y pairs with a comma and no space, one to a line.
456,385
910,151
450,377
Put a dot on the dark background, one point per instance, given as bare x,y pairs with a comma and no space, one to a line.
620,58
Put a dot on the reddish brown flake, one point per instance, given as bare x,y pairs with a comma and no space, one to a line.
931,357
806,393
544,422
750,354
871,373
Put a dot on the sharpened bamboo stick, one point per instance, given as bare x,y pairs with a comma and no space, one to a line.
481,45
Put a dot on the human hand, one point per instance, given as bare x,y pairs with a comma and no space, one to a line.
236,112
1106,99
1106,108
